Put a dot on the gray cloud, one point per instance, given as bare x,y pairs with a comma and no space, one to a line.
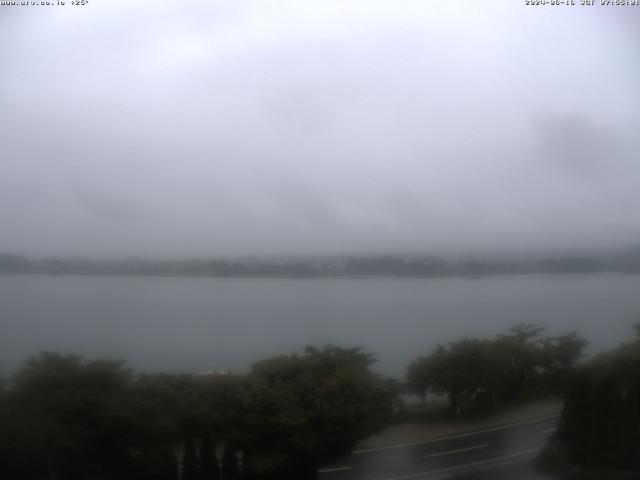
575,144
231,128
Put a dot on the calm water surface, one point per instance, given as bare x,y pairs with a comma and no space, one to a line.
192,324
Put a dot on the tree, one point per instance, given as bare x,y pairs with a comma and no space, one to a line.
189,461
600,423
478,373
521,353
560,356
468,371
72,417
207,465
68,418
310,407
419,377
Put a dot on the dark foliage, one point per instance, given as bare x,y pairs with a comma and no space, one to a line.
65,418
477,374
600,424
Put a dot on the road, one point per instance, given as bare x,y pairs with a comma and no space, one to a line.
505,452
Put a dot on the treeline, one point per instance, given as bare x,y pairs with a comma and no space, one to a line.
362,266
476,375
600,425
65,418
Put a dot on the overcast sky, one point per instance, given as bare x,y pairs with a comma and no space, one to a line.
188,128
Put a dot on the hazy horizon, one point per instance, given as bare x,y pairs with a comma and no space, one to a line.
488,255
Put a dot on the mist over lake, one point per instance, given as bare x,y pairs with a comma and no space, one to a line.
181,324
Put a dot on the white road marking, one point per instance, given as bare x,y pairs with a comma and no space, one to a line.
451,452
467,465
334,469
449,437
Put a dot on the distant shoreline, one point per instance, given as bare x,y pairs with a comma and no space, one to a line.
326,267
318,277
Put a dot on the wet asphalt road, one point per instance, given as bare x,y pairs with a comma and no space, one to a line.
497,453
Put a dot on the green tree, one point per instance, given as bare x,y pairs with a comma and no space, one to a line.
560,356
521,352
468,371
72,416
310,407
476,374
419,377
600,423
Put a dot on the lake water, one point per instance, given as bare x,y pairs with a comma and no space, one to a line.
192,324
